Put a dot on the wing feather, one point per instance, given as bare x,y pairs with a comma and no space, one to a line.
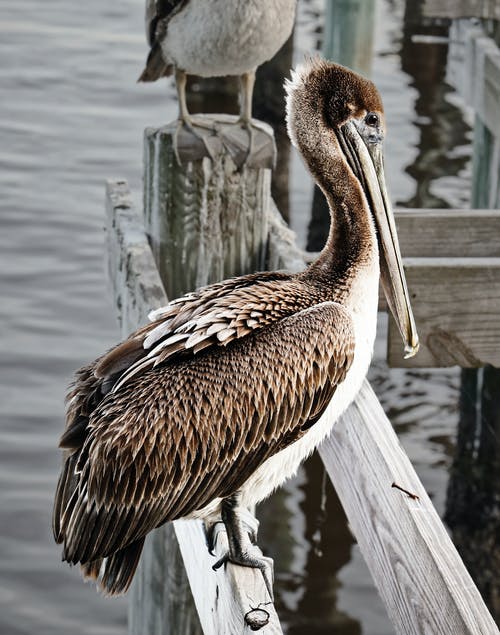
213,316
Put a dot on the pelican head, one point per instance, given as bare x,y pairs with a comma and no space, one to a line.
349,134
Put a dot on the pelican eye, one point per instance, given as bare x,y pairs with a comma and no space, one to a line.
372,119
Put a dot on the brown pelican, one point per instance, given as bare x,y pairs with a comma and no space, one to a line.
212,38
217,401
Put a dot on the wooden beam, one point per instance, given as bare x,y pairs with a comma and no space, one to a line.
453,233
452,9
456,302
417,570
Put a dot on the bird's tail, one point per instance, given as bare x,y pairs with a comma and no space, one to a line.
113,575
156,66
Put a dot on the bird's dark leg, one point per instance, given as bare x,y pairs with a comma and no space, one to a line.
242,548
247,81
185,120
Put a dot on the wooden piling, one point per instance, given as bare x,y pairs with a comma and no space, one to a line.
206,219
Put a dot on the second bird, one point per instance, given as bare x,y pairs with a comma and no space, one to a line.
214,38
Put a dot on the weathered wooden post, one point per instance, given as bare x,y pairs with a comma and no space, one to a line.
206,220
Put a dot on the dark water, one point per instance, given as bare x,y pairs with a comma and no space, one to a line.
71,115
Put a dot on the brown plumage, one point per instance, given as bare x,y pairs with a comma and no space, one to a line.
158,15
195,406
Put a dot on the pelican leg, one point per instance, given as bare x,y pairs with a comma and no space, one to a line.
247,82
241,539
185,120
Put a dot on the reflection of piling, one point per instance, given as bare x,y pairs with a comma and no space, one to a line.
347,40
473,502
269,106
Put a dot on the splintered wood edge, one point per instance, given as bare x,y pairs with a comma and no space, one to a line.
233,598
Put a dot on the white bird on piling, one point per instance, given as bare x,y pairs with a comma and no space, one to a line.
218,401
214,38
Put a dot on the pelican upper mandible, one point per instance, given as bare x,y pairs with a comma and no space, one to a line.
213,38
217,401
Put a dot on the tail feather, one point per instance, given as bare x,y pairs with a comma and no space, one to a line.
156,66
113,575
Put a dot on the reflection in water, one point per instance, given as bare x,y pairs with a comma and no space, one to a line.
309,513
444,144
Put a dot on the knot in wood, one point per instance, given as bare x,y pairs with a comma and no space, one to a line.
257,619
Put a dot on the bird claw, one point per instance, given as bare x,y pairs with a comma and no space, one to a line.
222,561
211,536
254,561
188,125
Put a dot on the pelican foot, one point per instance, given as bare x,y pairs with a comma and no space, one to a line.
241,528
189,125
251,557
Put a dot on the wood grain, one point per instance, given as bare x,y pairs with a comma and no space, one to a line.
454,233
209,208
456,302
418,572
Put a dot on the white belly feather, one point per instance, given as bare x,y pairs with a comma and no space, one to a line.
277,469
227,37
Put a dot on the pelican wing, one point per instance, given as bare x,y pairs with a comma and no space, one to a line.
181,435
212,316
